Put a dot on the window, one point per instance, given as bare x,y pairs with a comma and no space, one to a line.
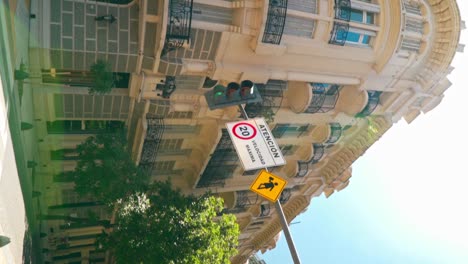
281,130
287,149
412,7
357,33
64,154
299,24
362,16
171,144
64,176
180,114
410,44
83,126
162,166
251,172
159,107
355,36
212,14
414,25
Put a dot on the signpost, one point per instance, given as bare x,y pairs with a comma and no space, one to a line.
270,186
255,145
257,148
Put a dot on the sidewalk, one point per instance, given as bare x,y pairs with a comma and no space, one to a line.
17,146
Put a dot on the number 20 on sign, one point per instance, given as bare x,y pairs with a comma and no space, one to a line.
244,131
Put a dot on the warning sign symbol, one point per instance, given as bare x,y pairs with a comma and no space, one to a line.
268,185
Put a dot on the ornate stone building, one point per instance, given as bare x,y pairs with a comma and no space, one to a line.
336,74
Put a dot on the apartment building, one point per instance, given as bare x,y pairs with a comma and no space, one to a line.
336,74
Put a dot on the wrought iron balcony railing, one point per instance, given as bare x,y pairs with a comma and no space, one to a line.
246,199
153,137
276,19
339,33
303,169
285,196
335,133
265,210
221,165
343,9
324,98
179,24
319,151
372,103
272,95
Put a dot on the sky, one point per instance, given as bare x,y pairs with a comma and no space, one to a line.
407,199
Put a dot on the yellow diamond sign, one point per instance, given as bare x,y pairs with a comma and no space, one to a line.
268,185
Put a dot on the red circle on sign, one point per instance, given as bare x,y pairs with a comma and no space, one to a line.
250,135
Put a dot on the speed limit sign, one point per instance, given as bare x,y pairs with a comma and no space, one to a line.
244,131
254,143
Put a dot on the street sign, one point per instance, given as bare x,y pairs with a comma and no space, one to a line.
255,145
268,185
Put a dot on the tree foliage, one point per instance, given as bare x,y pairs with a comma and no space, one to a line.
164,225
103,78
105,169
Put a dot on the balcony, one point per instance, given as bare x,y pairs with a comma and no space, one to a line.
372,103
265,210
335,133
352,100
303,169
179,25
339,33
324,98
304,166
290,169
222,164
299,95
276,19
319,151
243,201
272,95
246,199
285,196
343,10
154,133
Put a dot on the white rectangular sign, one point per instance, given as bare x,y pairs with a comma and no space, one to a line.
254,143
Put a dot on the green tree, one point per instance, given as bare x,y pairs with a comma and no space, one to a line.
164,225
103,78
105,170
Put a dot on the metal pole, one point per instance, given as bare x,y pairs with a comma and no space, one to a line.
281,215
287,234
243,113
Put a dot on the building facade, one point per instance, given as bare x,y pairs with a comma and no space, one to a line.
336,74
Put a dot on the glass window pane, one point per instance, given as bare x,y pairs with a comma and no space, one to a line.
353,37
370,18
357,15
365,39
